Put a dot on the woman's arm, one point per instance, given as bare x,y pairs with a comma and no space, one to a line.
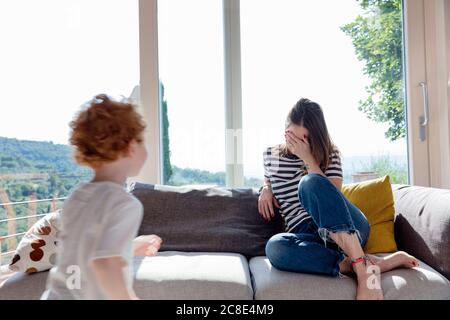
337,182
313,167
111,279
302,149
266,199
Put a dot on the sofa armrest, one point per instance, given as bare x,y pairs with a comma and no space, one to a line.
422,224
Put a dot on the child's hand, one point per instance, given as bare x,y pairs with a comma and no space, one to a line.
147,245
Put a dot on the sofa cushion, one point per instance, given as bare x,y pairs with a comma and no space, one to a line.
422,224
23,286
169,275
378,209
37,249
270,283
192,276
211,219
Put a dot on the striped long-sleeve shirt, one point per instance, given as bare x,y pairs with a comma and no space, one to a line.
284,173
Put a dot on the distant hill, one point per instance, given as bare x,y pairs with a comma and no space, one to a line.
24,156
39,157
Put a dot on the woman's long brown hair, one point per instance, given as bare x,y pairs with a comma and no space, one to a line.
309,115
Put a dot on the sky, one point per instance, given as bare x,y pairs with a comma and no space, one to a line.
57,54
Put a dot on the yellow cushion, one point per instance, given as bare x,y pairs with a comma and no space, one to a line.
375,199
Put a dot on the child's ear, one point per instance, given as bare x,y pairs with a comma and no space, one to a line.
131,148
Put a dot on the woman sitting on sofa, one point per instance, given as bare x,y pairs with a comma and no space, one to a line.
325,233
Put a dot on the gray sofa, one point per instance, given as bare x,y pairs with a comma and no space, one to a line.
214,249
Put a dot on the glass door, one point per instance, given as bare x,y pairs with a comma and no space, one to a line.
346,55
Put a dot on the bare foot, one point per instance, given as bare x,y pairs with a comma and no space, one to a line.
368,278
369,282
399,259
345,266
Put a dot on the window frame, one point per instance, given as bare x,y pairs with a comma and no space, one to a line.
233,94
149,91
424,159
427,60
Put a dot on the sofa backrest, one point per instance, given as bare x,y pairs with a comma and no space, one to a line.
422,224
215,219
210,219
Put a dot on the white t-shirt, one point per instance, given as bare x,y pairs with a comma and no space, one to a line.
99,219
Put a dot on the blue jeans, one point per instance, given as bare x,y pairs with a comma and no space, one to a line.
308,248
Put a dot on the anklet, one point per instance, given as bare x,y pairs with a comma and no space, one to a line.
359,260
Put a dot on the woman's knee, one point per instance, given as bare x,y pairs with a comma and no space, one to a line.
310,182
277,248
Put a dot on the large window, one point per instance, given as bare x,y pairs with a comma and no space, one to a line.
347,55
191,72
55,55
318,50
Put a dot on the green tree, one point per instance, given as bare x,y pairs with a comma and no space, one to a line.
385,165
26,189
167,167
377,38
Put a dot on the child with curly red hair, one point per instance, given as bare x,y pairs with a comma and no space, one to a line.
100,218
